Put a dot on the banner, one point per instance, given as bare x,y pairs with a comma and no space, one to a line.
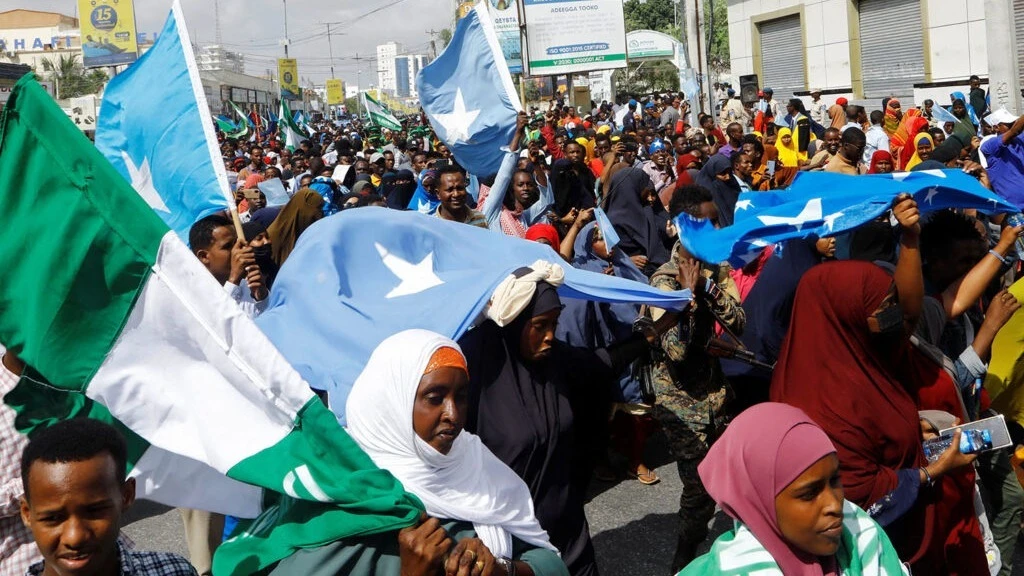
288,76
505,15
108,32
335,92
596,39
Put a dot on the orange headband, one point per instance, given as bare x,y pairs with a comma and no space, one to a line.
446,357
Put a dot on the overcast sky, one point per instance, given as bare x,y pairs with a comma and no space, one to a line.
254,27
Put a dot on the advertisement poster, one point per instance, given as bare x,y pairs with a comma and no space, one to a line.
335,92
595,40
108,32
505,15
288,75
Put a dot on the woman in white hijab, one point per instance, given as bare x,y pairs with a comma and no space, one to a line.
407,411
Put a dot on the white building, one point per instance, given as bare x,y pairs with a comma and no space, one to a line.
386,54
214,57
867,50
416,63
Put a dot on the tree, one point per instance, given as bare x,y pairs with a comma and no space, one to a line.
661,16
71,78
446,36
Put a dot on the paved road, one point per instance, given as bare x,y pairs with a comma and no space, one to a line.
633,525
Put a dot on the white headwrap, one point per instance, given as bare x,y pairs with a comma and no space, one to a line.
514,293
469,483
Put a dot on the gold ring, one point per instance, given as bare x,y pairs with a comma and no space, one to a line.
473,554
479,564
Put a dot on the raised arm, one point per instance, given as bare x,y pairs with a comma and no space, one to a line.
909,277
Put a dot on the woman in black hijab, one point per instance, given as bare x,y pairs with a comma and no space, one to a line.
716,176
573,185
535,402
639,219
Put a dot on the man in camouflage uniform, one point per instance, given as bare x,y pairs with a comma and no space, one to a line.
692,392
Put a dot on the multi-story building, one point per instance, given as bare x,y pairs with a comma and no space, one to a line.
867,50
386,54
402,76
416,63
214,57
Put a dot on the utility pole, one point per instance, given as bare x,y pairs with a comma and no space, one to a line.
330,47
216,21
286,42
359,87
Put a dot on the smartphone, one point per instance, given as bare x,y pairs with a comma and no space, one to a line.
251,193
771,167
975,437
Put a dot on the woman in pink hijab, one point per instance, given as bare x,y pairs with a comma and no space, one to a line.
776,473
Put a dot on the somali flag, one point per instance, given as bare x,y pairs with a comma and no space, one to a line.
162,141
362,275
468,95
825,204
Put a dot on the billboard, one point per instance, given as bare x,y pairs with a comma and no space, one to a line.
650,44
288,75
108,32
505,15
596,40
335,92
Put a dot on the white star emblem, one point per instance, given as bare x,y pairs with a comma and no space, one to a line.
932,193
457,122
423,207
142,181
754,249
415,278
830,220
744,204
810,213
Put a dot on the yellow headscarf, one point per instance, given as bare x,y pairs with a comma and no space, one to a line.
915,159
789,156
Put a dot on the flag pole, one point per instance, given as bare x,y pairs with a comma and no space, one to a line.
238,223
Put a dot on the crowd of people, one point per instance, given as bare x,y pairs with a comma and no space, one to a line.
861,347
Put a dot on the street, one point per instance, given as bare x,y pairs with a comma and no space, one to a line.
633,525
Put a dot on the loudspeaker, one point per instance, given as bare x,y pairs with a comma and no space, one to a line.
748,88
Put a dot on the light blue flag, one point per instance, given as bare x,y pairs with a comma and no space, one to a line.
468,95
611,237
825,204
362,275
942,115
162,140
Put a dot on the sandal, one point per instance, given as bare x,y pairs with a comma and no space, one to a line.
646,478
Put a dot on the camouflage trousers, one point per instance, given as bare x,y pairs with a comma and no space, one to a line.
689,440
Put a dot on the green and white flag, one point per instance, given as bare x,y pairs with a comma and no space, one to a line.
288,129
119,321
379,114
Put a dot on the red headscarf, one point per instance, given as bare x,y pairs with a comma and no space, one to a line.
877,157
545,231
855,396
761,452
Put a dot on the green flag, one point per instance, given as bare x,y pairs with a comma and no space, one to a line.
379,114
120,321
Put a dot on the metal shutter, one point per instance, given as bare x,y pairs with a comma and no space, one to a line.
1018,26
782,56
891,47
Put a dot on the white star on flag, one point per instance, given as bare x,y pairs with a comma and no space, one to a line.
932,193
810,213
457,122
415,278
142,181
744,204
830,220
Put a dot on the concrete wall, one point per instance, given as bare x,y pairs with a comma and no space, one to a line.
954,41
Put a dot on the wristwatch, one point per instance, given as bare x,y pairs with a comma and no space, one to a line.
507,564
